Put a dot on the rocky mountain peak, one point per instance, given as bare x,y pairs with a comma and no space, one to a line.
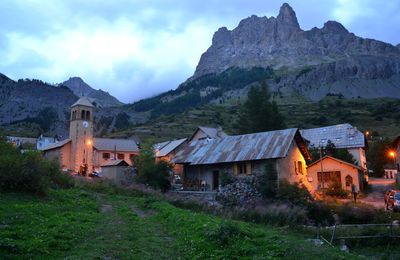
222,36
78,86
334,27
81,88
287,16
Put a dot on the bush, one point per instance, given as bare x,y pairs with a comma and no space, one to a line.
274,214
225,233
29,172
155,174
294,193
226,179
335,190
268,181
320,213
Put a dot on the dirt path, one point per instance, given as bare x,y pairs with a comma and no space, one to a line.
378,188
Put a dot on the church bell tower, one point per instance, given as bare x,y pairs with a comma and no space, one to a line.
81,135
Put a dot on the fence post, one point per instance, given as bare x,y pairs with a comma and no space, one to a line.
333,233
318,231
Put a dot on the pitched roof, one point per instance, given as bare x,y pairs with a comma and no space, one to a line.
56,145
163,149
24,140
258,146
210,132
122,145
83,101
118,162
335,159
342,136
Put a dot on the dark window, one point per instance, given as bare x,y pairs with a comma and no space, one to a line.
106,155
87,115
121,156
242,168
83,114
349,180
300,167
329,176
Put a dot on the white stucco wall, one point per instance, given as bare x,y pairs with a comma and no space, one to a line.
288,171
330,165
359,155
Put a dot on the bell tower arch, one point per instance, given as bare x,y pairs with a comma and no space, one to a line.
81,135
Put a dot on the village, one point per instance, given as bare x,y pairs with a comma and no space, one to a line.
201,164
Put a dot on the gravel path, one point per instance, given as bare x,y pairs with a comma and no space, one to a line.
378,188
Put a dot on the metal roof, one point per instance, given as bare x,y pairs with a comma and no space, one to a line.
118,162
121,145
163,149
343,136
56,145
265,145
83,101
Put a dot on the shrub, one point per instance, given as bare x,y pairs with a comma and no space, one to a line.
274,214
320,213
155,174
226,179
225,233
294,193
29,172
335,190
268,181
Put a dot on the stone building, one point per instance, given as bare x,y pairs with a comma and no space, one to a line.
84,153
206,161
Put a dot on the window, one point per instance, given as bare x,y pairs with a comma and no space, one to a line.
329,177
87,115
242,168
121,156
83,114
349,180
299,167
106,156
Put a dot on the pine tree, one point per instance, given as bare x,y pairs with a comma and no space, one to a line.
258,113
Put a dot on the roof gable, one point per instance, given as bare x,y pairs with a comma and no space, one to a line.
209,132
83,101
56,145
327,157
163,149
118,162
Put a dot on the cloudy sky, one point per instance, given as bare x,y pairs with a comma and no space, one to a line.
137,48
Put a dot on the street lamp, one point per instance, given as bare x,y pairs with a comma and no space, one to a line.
393,155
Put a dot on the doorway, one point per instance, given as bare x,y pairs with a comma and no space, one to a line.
215,180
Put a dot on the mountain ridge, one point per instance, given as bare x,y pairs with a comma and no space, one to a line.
100,97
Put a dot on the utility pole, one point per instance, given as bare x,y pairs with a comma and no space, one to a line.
322,171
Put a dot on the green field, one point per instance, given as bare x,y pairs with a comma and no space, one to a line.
82,224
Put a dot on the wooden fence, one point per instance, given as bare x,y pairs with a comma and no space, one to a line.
358,231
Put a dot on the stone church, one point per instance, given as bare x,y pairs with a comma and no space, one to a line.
82,152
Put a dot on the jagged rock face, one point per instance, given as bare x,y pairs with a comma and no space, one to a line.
81,88
280,42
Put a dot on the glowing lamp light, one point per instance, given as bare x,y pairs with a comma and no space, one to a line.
392,154
89,142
